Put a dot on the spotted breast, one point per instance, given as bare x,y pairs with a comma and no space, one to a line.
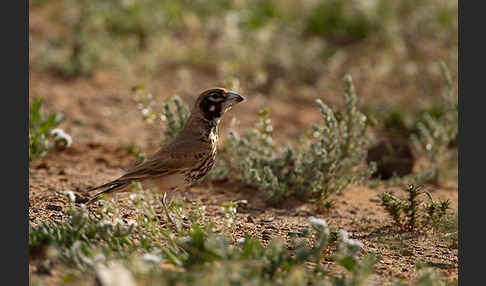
207,158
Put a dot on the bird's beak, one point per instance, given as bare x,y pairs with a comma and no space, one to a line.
232,98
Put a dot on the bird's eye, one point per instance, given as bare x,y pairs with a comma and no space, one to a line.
215,97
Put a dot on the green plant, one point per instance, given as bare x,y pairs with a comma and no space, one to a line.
79,238
41,137
433,136
340,21
176,118
437,128
411,214
212,258
400,243
397,122
447,228
328,160
260,12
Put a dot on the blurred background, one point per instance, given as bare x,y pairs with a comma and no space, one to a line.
102,62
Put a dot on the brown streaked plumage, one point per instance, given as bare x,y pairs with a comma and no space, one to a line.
189,156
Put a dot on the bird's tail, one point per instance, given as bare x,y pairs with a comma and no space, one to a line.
110,187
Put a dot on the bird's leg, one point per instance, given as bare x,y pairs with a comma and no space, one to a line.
166,210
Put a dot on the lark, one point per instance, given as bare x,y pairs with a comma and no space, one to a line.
188,157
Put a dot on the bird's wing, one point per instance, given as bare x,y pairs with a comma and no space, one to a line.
165,162
162,163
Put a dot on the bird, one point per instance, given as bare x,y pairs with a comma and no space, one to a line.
188,157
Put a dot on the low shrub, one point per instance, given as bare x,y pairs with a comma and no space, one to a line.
411,213
42,135
330,158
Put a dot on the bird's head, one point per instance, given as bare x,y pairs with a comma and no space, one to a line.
213,103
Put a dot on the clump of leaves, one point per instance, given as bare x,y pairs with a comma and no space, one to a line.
327,161
411,213
40,126
77,238
176,114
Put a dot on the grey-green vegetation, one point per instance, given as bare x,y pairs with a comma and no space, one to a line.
41,125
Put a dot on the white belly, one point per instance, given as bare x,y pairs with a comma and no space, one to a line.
166,183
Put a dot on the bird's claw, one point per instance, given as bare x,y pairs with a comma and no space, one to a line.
166,210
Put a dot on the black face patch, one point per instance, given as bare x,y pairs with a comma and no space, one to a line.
211,105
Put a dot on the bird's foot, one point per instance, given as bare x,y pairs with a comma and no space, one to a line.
166,210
